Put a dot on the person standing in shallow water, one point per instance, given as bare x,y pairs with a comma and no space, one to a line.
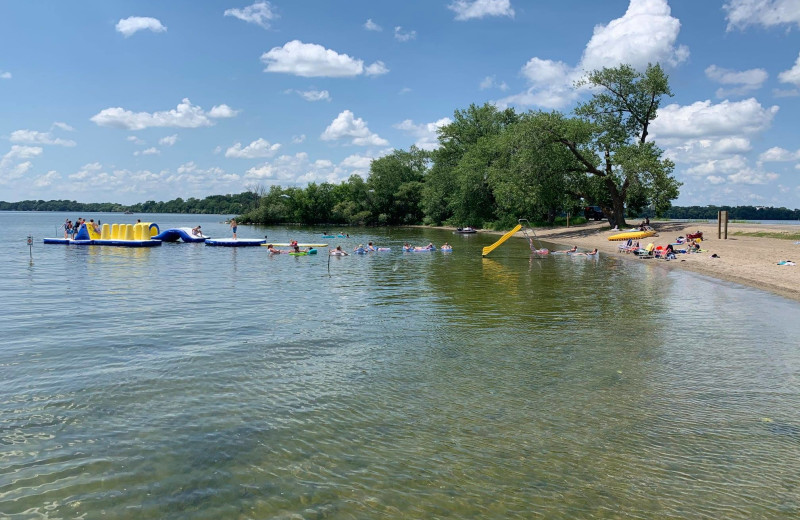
233,227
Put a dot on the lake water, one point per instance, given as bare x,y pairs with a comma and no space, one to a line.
187,381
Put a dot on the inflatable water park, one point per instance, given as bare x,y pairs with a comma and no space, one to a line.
141,234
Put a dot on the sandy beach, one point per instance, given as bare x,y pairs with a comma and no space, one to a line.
747,260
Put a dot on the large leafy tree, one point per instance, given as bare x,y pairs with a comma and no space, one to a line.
394,186
457,187
608,140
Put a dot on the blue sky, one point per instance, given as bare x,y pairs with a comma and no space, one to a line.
131,101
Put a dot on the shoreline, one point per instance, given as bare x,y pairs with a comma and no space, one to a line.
745,260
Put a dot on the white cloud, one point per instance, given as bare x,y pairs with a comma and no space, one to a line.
299,169
766,13
719,166
426,134
260,13
47,179
131,25
63,126
646,33
778,93
490,82
313,95
792,75
135,140
751,176
14,165
35,137
700,150
169,140
297,139
703,119
256,149
778,154
376,69
372,26
346,126
5,75
744,81
221,111
712,138
23,152
185,115
150,151
404,36
468,10
312,60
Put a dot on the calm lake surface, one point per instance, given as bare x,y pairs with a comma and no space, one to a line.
187,381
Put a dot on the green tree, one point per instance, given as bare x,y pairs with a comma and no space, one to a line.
457,192
608,140
394,186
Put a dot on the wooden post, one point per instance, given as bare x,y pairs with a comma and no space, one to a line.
567,218
726,224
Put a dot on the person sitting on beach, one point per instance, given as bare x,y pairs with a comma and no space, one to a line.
338,252
669,252
196,231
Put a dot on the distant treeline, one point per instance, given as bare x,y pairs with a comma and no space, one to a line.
734,213
214,204
334,204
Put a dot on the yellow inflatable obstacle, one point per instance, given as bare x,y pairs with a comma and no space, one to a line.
632,235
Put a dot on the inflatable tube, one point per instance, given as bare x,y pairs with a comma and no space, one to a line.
383,249
175,234
328,236
632,235
231,242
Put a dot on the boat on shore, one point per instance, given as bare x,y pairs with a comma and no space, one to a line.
466,230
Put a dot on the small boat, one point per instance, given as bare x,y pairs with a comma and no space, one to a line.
466,230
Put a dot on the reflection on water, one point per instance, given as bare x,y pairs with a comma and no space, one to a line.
186,381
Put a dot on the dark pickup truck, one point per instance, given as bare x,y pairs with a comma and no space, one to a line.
593,213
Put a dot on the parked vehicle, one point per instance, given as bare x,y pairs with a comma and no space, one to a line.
593,213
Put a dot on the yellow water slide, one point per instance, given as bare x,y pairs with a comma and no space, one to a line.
489,249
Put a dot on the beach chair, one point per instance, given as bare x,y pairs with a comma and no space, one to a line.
647,252
625,248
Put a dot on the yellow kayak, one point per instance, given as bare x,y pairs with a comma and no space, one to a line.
634,235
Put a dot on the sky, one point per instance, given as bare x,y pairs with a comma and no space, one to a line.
129,101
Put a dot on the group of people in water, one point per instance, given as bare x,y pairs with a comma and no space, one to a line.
430,247
574,251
